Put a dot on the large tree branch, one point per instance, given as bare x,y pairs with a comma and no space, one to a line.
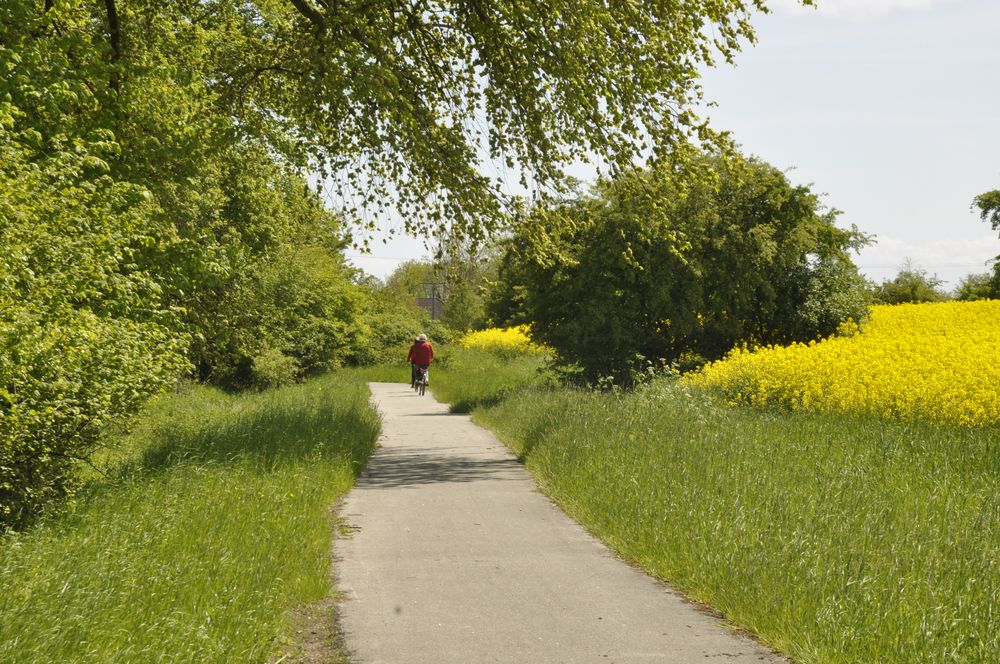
315,16
115,35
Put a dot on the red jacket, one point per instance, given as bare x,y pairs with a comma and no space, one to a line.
421,353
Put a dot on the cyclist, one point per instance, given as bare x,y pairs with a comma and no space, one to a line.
421,355
413,365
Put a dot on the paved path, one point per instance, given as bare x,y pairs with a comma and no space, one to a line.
458,558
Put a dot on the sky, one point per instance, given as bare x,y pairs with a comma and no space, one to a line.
890,108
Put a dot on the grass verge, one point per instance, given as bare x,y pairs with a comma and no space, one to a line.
211,531
398,372
836,539
469,379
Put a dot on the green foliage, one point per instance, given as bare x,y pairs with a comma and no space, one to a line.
400,122
408,280
660,263
300,304
212,525
911,284
391,324
988,205
272,368
459,279
834,539
977,287
84,334
145,230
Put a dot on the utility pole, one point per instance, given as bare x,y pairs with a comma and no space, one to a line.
431,289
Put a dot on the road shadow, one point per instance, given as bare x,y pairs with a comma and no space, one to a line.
437,415
420,466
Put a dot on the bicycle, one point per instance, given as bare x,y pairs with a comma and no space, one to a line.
420,384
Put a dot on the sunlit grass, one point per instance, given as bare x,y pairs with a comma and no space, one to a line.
213,525
398,372
469,378
837,539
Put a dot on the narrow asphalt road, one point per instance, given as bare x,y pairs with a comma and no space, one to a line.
456,557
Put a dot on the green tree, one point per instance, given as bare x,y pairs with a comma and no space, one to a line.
84,335
911,284
399,99
144,230
988,205
410,278
662,265
976,287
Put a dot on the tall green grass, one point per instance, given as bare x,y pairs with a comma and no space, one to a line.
835,539
212,526
398,372
470,379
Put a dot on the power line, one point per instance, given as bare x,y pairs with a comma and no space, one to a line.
383,258
926,265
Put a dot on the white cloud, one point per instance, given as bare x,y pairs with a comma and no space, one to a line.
950,260
858,10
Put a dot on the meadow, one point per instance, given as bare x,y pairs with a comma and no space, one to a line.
835,538
203,536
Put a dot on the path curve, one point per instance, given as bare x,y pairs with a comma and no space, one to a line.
455,557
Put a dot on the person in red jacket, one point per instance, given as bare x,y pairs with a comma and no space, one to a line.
421,355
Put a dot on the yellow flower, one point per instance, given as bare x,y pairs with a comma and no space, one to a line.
508,339
938,361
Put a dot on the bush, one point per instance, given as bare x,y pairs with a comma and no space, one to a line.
911,285
272,368
656,263
83,337
978,287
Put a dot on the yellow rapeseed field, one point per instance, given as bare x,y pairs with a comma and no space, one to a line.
507,339
936,361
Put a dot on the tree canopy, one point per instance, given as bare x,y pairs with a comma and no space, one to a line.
988,204
666,265
400,100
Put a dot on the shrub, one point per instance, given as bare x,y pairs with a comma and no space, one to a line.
657,263
272,368
84,338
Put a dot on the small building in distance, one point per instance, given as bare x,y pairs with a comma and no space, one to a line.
434,306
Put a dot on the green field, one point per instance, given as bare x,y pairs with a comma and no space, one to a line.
208,541
835,539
